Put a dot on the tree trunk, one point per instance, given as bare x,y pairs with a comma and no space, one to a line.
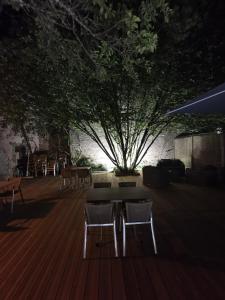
24,134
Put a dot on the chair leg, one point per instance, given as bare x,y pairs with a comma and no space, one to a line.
62,183
75,179
124,238
115,238
21,194
78,183
85,240
12,201
153,236
72,183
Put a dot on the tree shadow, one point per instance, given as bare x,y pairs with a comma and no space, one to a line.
23,212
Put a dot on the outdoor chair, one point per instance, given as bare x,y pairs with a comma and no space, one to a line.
12,188
84,176
31,168
123,184
99,215
50,167
98,185
65,175
40,163
137,213
127,184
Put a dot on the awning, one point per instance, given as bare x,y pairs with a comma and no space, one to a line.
212,102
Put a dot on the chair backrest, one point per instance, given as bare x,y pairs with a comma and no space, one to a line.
51,163
98,185
127,184
99,213
138,211
42,158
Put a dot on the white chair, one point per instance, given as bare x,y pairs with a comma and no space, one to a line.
66,175
83,176
40,163
99,215
50,167
138,213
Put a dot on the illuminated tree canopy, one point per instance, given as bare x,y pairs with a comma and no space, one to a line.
118,64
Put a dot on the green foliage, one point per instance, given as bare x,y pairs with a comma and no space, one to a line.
128,172
120,65
98,68
85,161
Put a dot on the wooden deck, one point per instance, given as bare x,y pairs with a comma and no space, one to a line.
41,248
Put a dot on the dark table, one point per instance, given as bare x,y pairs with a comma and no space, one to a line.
118,194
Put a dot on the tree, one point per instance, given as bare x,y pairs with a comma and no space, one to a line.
110,45
117,64
25,90
14,83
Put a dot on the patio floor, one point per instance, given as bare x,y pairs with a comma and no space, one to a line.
41,247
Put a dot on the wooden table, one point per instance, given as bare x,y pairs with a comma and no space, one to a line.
118,194
77,176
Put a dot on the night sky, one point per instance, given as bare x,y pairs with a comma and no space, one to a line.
12,22
211,36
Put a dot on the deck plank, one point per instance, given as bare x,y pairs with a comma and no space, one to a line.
41,247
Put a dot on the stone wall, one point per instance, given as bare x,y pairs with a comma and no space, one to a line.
9,141
162,148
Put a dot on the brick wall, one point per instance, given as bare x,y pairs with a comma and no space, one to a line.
162,148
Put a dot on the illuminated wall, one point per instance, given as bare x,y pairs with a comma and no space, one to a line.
162,148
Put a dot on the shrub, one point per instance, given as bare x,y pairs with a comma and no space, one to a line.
126,172
175,167
85,161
